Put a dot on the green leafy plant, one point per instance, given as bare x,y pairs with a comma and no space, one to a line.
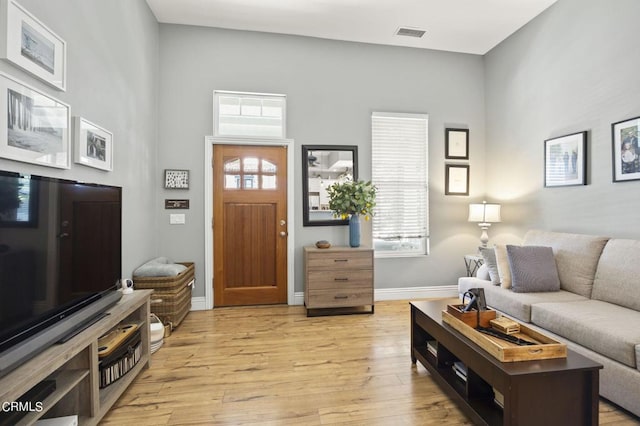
349,198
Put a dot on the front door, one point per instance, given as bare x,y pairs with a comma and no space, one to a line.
249,225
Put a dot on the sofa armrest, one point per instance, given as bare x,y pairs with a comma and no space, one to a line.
465,283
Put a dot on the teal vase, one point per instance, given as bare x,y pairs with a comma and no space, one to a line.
354,230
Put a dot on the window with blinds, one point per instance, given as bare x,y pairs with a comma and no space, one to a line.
399,171
244,114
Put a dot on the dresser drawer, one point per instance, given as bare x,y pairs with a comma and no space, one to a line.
340,260
337,279
333,298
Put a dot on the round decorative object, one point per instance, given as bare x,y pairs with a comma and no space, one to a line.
127,285
323,244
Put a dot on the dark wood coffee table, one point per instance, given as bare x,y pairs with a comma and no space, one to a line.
560,391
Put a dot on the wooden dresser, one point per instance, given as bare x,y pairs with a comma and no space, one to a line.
338,277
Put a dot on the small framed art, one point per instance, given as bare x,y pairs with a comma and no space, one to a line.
626,152
565,160
176,204
32,46
456,179
94,145
456,144
176,179
34,127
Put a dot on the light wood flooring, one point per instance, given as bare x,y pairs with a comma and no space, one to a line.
274,366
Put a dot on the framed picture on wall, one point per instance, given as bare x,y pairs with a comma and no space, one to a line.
456,179
94,145
456,144
565,160
34,127
626,152
32,46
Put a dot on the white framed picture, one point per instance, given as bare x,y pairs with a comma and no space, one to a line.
565,160
32,46
93,145
34,127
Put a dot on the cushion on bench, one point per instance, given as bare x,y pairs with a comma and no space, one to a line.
576,257
618,276
517,305
605,328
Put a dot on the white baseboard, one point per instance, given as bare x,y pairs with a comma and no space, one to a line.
407,293
198,303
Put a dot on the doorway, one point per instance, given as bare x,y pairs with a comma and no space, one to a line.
250,226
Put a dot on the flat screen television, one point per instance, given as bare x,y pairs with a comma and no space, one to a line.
60,260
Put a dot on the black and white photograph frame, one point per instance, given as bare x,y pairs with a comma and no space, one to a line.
456,179
176,179
31,45
34,127
456,144
565,160
626,151
93,145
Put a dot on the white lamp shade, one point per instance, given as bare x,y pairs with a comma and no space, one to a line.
484,213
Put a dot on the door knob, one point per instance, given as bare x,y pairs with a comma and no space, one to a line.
283,234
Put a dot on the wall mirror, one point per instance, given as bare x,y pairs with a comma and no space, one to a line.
322,166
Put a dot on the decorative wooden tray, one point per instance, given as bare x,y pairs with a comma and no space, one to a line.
504,351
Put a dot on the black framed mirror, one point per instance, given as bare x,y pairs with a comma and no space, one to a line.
322,166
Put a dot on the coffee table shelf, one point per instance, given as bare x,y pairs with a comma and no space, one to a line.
555,391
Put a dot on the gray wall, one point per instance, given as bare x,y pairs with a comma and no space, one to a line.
332,87
112,60
573,68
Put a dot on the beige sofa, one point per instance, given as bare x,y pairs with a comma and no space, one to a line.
596,312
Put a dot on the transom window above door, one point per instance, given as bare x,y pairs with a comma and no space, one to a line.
249,173
242,114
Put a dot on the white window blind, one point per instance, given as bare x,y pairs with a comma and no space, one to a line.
249,114
399,171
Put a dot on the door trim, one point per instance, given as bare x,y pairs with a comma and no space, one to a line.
208,209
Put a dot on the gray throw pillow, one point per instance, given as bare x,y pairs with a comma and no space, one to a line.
489,257
533,269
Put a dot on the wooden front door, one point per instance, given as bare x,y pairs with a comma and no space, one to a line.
249,225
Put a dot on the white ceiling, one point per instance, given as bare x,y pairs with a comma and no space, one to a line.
469,26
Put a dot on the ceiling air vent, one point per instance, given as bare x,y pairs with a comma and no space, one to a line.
410,32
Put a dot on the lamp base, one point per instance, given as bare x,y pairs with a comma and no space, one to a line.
484,237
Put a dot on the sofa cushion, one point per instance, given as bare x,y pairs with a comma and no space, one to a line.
503,265
576,257
483,273
489,257
605,328
517,305
533,269
618,275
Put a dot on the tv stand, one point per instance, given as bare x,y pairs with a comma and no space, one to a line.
74,367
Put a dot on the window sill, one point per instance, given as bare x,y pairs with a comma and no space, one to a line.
382,255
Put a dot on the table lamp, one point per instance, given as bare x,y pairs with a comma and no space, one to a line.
485,214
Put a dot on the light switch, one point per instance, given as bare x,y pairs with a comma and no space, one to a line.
176,219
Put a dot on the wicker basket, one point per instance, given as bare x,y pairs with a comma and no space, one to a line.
171,284
171,299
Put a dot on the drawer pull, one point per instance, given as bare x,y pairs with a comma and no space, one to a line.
341,279
340,296
340,260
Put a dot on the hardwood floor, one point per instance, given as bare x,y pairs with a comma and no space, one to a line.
274,366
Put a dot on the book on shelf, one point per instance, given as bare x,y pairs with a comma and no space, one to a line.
498,398
460,369
432,347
